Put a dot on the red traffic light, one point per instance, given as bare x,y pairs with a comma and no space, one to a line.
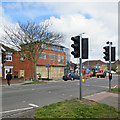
110,76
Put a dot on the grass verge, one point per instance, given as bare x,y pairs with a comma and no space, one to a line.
34,82
77,109
115,90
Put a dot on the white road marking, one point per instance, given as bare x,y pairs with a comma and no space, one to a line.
114,86
22,109
16,110
33,105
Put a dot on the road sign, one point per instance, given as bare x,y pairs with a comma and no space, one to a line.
47,65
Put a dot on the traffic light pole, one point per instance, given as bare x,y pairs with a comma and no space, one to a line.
110,43
0,63
80,66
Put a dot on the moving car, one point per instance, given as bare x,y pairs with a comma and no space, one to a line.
71,76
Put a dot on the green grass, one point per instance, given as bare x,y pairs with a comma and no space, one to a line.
77,109
115,90
34,82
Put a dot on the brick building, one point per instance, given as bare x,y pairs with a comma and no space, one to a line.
18,65
95,64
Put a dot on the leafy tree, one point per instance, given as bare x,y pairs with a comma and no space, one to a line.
29,38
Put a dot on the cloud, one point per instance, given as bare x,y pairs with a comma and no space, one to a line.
98,19
97,33
102,26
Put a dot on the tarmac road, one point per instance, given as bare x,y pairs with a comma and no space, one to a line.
17,98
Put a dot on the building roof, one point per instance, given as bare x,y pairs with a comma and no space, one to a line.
7,49
94,62
117,62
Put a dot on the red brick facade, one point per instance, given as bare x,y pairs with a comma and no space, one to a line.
28,66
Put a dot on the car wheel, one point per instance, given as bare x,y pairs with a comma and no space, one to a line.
97,76
65,80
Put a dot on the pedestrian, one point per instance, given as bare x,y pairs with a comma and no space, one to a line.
22,75
8,77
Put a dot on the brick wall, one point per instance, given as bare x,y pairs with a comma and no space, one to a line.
52,62
28,66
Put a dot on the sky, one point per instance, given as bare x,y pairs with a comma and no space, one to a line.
99,20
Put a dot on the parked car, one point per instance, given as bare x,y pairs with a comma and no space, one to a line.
71,76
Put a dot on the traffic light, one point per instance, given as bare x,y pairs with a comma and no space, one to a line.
3,58
84,48
112,53
76,46
106,57
110,76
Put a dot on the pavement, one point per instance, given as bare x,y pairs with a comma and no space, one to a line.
109,98
19,83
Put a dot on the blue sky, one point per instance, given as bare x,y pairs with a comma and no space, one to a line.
31,12
99,20
27,12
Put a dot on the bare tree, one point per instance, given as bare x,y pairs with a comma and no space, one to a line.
29,38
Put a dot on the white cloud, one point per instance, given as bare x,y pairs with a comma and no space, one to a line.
60,1
97,33
101,27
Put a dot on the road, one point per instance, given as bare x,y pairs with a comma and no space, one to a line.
16,98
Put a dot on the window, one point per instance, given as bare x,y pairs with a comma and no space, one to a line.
22,58
61,49
8,58
55,48
43,55
52,56
43,46
60,59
